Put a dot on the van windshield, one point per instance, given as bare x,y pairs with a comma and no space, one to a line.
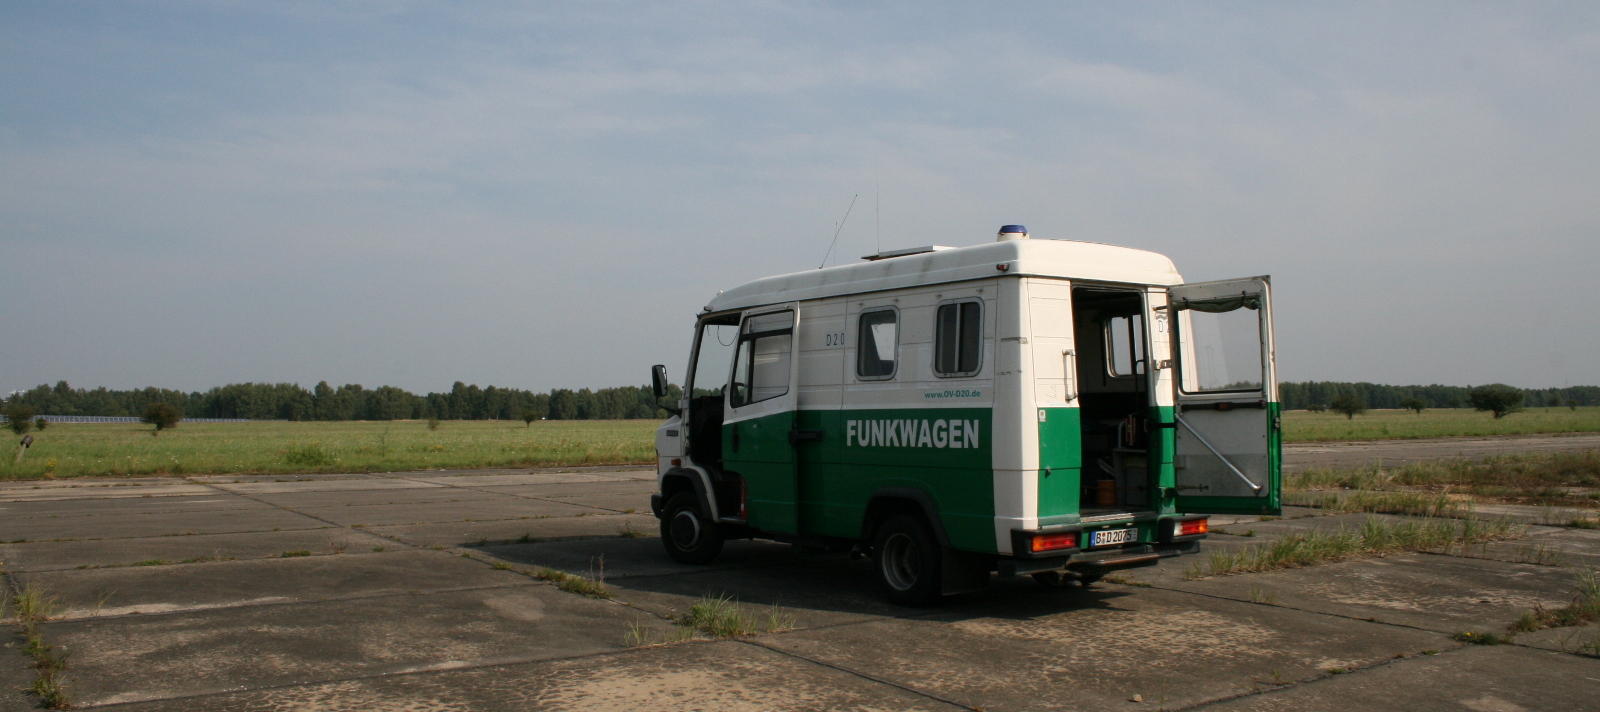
719,336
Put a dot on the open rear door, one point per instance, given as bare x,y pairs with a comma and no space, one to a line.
1228,459
759,417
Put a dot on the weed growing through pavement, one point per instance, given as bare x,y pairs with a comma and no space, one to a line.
573,584
296,552
501,566
1583,523
639,636
1584,608
1543,555
1374,538
32,606
1125,581
1480,638
1261,595
724,617
629,532
101,598
152,562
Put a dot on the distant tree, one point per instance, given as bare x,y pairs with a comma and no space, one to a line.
433,423
1497,398
1350,403
1416,404
1553,402
563,404
19,417
161,415
1317,408
528,416
40,423
1456,403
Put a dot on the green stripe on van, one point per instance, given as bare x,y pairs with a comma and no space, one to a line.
945,452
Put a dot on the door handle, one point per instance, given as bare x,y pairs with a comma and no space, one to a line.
797,436
1069,373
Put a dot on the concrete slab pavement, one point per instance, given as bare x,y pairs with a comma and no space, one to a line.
414,628
96,553
1474,679
710,676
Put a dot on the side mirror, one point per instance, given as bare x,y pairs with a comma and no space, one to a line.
658,380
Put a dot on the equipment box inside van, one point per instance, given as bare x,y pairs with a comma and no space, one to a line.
1044,407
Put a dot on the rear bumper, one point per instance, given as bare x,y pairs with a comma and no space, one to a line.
1099,560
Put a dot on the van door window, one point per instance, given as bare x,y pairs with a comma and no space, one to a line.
761,368
1222,348
709,371
1125,345
958,341
877,343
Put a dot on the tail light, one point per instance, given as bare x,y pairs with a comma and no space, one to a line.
1190,527
1051,542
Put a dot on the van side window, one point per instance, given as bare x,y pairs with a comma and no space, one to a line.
877,343
958,341
1125,345
761,367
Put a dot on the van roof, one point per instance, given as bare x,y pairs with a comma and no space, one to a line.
1064,259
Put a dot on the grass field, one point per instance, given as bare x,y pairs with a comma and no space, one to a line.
1305,426
79,449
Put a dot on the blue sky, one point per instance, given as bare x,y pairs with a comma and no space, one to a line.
534,195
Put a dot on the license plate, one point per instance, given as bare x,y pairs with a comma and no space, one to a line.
1107,537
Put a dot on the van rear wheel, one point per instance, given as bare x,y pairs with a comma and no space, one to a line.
687,532
908,558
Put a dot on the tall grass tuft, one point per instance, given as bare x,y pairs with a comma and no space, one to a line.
33,606
723,617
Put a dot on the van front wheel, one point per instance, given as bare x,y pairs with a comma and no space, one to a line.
689,535
907,558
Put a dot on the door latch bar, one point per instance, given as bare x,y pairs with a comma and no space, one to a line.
1253,486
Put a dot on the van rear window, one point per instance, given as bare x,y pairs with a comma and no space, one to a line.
958,343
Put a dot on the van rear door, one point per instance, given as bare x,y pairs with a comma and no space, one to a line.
757,437
1229,455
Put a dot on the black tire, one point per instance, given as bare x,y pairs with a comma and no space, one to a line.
908,558
687,532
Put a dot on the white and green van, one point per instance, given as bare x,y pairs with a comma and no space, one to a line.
1028,406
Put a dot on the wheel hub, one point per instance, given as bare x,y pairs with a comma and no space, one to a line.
899,561
685,529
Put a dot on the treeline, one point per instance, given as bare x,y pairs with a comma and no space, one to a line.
289,401
1298,396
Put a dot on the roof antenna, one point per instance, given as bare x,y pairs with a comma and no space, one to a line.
838,230
877,212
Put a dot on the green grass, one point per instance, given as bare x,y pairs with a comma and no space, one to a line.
723,617
1305,426
1444,487
112,449
1375,537
33,606
102,449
